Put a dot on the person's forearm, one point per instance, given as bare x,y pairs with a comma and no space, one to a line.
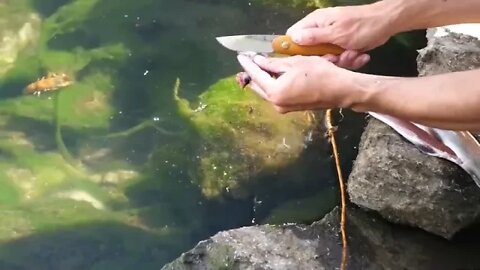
449,101
406,15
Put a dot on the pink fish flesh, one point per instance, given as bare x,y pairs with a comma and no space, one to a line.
459,147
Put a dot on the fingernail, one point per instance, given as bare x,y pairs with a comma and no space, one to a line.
330,57
365,58
360,61
350,56
242,59
297,37
289,30
248,54
258,59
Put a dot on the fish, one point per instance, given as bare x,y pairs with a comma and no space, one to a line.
458,147
243,79
51,82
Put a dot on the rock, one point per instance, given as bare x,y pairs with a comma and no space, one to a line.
405,186
449,51
239,137
372,243
18,31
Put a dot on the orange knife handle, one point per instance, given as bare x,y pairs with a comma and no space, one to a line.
285,45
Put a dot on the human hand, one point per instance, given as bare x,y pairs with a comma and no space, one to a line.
303,82
356,28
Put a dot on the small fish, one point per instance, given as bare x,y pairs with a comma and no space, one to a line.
459,147
51,82
243,79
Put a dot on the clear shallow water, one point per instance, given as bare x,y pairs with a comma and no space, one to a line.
125,200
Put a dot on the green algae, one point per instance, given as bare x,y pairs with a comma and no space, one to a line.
84,104
311,4
73,218
297,3
9,193
66,19
241,137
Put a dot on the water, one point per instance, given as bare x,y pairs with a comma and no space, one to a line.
103,174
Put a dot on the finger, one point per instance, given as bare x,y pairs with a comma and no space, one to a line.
361,61
330,57
272,65
297,108
356,61
352,60
259,76
257,89
345,59
312,36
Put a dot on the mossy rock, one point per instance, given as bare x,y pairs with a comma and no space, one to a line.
242,137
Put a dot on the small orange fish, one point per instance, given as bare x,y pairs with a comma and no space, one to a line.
51,82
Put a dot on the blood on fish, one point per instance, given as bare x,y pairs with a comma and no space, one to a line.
243,79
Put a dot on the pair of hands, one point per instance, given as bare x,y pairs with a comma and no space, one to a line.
313,82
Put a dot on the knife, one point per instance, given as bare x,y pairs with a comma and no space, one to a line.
275,45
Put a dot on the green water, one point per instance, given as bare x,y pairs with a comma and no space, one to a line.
109,173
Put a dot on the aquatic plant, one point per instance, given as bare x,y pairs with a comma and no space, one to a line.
241,137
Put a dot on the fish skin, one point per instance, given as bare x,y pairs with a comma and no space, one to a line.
418,136
459,147
467,148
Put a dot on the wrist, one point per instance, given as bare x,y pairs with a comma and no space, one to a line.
404,15
368,91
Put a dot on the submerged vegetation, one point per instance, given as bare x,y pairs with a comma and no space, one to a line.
241,137
152,147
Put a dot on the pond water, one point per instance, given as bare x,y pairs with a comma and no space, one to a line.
107,173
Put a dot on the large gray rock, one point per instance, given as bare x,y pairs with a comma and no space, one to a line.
405,186
373,244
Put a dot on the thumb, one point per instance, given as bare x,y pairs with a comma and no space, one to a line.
312,36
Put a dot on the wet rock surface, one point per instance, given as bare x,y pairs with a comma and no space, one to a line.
270,247
373,244
405,186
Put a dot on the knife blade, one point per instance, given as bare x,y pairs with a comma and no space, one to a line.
275,44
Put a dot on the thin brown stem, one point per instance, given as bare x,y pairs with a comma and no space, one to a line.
331,135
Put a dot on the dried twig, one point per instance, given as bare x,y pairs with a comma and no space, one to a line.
331,135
